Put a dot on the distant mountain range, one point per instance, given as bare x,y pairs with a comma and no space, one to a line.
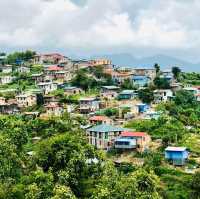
164,61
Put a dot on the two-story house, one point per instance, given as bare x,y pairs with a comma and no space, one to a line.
109,92
162,95
26,99
103,136
47,87
88,105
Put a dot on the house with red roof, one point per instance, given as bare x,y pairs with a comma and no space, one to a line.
55,73
133,140
100,119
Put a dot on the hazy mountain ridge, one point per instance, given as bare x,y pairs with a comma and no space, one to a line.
164,61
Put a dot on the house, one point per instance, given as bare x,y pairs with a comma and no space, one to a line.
167,75
88,105
140,80
162,95
193,90
51,70
149,72
72,90
152,115
54,109
103,136
23,69
127,95
100,62
38,77
6,79
176,155
48,99
133,140
26,99
54,58
176,86
197,97
142,108
100,119
127,111
81,64
109,92
6,69
8,106
55,73
118,77
47,87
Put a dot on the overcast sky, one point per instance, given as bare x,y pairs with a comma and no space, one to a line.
83,27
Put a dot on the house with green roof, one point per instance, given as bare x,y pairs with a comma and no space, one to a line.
103,136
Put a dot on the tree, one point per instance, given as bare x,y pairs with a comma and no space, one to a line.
161,83
63,192
146,95
185,99
127,84
20,57
195,186
9,160
83,81
157,67
176,71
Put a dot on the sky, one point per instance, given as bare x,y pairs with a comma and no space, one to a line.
91,27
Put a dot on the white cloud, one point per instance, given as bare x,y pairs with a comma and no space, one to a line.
100,25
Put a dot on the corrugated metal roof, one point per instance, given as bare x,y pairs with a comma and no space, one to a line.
106,128
172,148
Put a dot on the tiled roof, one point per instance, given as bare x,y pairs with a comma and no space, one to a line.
54,68
105,128
98,118
133,134
172,148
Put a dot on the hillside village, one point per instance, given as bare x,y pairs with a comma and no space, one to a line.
137,116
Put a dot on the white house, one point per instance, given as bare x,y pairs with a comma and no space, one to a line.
23,69
47,87
162,95
6,69
88,105
6,79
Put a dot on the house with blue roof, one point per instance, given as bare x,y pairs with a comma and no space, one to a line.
176,155
103,136
127,94
140,80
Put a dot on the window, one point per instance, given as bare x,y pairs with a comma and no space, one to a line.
100,135
106,135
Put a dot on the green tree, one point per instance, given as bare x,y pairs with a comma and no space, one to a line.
195,186
157,67
161,83
146,95
176,72
127,84
63,192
